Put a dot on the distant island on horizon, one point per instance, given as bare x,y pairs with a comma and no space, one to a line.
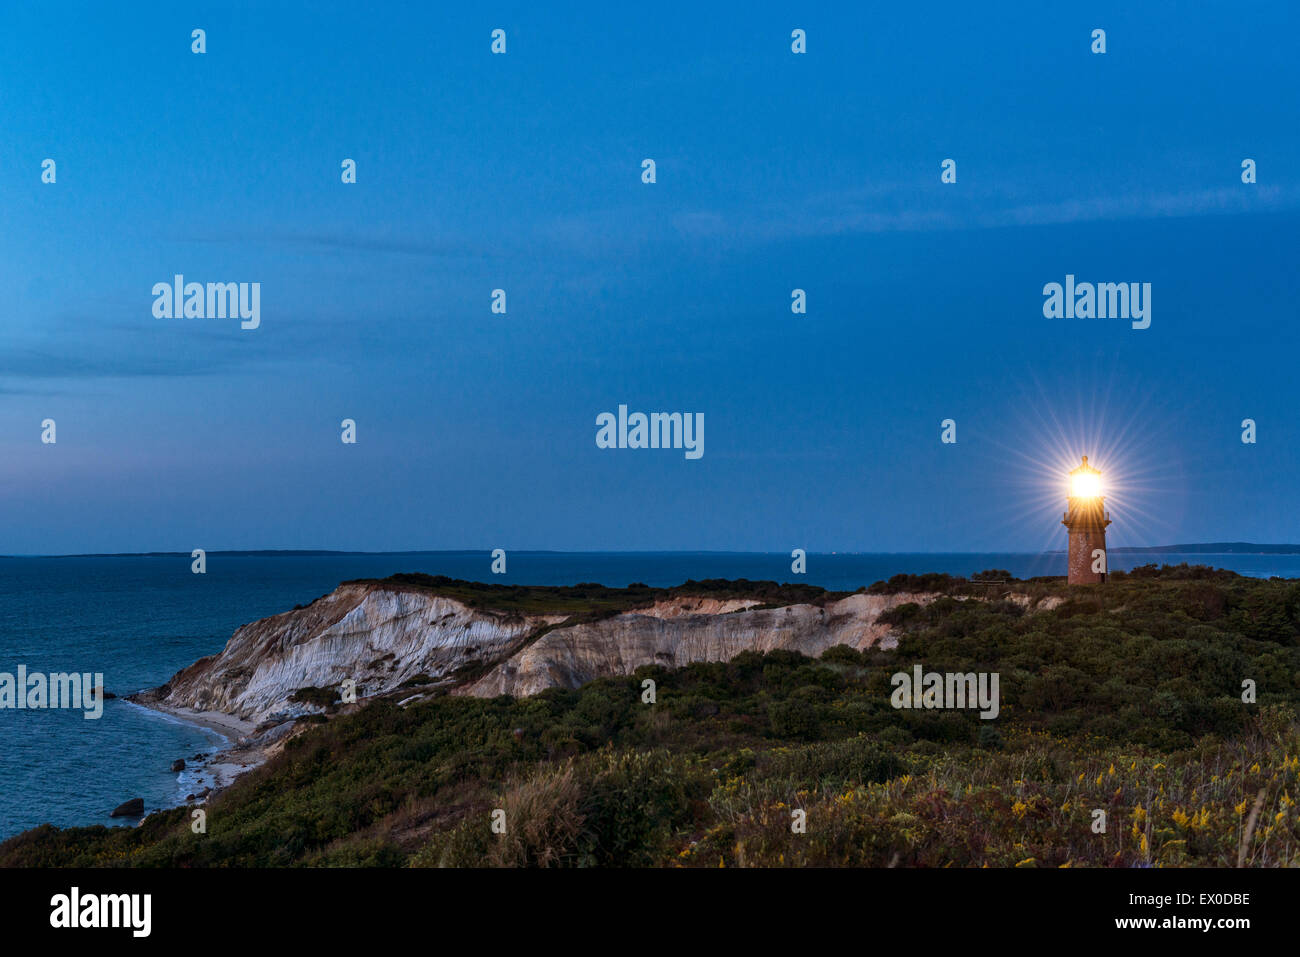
1212,548
1200,548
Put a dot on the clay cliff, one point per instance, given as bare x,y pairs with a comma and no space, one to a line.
665,634
389,638
380,638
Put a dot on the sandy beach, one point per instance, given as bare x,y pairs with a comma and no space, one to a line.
240,754
226,725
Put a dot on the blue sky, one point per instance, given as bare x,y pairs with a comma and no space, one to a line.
774,171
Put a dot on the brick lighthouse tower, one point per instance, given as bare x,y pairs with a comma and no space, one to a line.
1086,518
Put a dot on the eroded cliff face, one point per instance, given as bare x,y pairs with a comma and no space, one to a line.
570,657
378,637
384,637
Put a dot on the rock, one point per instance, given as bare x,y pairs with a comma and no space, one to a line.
189,797
346,634
178,764
675,632
340,637
132,808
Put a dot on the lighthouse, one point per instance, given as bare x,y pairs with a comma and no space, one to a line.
1086,518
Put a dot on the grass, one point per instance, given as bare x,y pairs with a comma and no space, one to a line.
1124,700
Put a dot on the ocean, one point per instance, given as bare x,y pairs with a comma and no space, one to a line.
139,619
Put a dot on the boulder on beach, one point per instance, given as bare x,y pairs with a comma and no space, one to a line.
178,764
132,808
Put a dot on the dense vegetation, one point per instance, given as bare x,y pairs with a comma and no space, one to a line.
1125,698
593,600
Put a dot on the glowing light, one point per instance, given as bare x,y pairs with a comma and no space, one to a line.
1085,481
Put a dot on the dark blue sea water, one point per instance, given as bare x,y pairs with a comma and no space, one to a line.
140,619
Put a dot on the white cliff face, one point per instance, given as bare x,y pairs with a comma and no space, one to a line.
382,636
378,637
569,657
680,607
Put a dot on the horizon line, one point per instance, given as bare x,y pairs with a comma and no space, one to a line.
1188,548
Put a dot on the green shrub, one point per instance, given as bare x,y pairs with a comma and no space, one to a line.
321,697
795,718
1142,675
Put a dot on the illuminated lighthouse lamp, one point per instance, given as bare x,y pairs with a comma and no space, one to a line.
1086,518
1085,481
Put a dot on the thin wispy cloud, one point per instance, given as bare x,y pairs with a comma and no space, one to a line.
852,215
42,364
441,248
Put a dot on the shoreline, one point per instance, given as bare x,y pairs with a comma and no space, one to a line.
240,753
227,725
